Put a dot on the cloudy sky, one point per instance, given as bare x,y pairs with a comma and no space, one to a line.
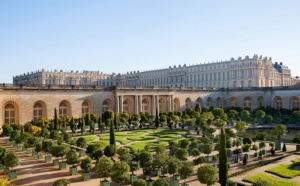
120,36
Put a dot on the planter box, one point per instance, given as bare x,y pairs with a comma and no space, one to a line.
55,162
13,175
83,133
255,154
297,148
248,156
6,170
40,156
62,165
229,153
1,166
238,160
48,159
208,159
133,178
34,153
73,170
104,183
86,176
175,183
82,153
278,146
264,152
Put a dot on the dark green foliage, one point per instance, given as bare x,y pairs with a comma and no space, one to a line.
86,164
184,143
145,157
59,151
186,170
181,154
3,151
112,139
297,139
245,160
284,148
7,129
174,165
110,150
31,142
54,135
38,147
156,118
14,135
11,159
47,145
73,125
120,172
61,182
81,142
247,140
67,137
223,159
211,175
139,182
109,114
72,158
160,182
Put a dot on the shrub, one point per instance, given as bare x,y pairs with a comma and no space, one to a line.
61,182
109,150
7,129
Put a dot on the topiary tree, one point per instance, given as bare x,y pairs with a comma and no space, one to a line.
160,182
67,137
161,162
103,168
11,159
260,114
55,120
61,182
112,139
184,143
120,172
72,158
173,166
54,135
59,151
31,142
240,126
278,131
38,147
297,140
7,129
3,151
156,118
223,159
181,154
186,170
81,142
86,164
139,182
207,174
110,150
47,145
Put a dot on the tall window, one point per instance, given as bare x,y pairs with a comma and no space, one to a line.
63,109
145,105
85,108
209,102
105,106
176,104
295,103
188,103
125,106
260,102
247,103
219,103
234,102
37,112
278,103
10,114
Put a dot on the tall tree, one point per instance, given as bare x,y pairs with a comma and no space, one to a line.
56,124
112,139
156,118
223,159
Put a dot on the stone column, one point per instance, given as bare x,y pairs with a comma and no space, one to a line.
141,104
117,104
170,103
136,105
157,102
121,104
153,104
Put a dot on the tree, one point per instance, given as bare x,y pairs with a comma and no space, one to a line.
124,154
219,123
186,170
260,114
120,172
139,182
56,123
207,149
86,164
14,135
161,162
3,152
240,126
81,142
110,150
38,147
297,140
54,135
67,137
7,129
31,142
184,143
156,118
160,149
72,158
160,182
173,166
181,154
11,159
278,131
145,158
223,159
73,125
112,140
61,182
245,114
207,174
284,148
103,168
46,146
59,151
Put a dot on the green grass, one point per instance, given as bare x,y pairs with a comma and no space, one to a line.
269,179
286,171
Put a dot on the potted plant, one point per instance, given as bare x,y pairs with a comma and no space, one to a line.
103,170
120,172
278,131
61,182
81,143
237,151
38,148
272,148
46,147
59,151
3,151
186,171
255,148
72,159
297,141
262,146
11,160
173,168
86,165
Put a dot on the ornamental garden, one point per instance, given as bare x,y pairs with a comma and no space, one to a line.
209,146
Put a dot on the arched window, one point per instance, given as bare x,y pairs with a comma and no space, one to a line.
64,109
85,109
247,103
37,112
10,114
234,102
159,106
188,103
199,101
209,102
145,106
260,102
125,106
295,103
105,106
219,103
278,103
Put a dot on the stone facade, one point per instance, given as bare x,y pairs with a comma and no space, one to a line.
257,71
20,104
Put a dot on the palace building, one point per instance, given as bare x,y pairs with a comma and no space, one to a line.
247,83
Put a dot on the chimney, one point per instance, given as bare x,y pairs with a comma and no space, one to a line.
280,63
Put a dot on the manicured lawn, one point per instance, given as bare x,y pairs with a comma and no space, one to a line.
286,171
269,179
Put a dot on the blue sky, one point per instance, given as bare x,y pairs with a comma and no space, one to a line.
120,36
